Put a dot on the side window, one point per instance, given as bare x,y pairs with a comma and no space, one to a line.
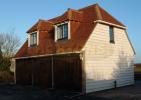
111,34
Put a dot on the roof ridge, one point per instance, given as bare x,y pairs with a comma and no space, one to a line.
75,10
42,20
35,25
69,13
88,6
112,16
49,21
54,17
98,12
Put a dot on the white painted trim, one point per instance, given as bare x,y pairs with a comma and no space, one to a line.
48,55
104,22
37,38
69,30
69,33
28,40
55,38
62,23
29,37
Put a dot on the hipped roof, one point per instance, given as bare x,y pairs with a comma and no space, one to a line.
82,25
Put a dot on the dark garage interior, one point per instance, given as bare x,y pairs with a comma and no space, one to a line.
55,71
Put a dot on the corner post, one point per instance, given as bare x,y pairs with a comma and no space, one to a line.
82,57
52,69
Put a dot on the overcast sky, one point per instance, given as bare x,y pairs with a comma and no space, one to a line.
20,15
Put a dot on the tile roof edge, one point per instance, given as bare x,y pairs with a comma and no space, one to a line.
37,23
28,31
76,52
95,24
112,16
88,6
74,10
108,23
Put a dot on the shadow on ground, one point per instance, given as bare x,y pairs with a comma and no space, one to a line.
16,92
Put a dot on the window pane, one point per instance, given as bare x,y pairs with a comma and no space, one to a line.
60,32
33,39
65,35
111,33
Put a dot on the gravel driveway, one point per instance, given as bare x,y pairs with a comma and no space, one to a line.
16,92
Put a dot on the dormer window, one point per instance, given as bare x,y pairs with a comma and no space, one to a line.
32,39
62,31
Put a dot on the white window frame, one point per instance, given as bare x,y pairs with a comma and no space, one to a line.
67,22
29,45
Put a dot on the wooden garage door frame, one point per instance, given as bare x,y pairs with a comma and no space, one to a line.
28,71
81,55
67,71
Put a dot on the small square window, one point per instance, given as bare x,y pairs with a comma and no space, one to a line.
111,34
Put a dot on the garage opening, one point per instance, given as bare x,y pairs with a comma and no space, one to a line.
56,71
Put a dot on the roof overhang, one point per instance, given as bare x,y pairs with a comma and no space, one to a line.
76,52
108,23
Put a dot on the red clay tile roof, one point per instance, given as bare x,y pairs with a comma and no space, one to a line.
82,25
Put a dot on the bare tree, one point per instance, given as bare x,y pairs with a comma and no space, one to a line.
1,43
1,56
9,43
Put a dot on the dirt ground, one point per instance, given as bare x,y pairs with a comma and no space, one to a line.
16,92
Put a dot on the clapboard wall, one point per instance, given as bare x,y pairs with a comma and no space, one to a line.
107,62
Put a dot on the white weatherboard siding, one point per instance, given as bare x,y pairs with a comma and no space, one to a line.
106,62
